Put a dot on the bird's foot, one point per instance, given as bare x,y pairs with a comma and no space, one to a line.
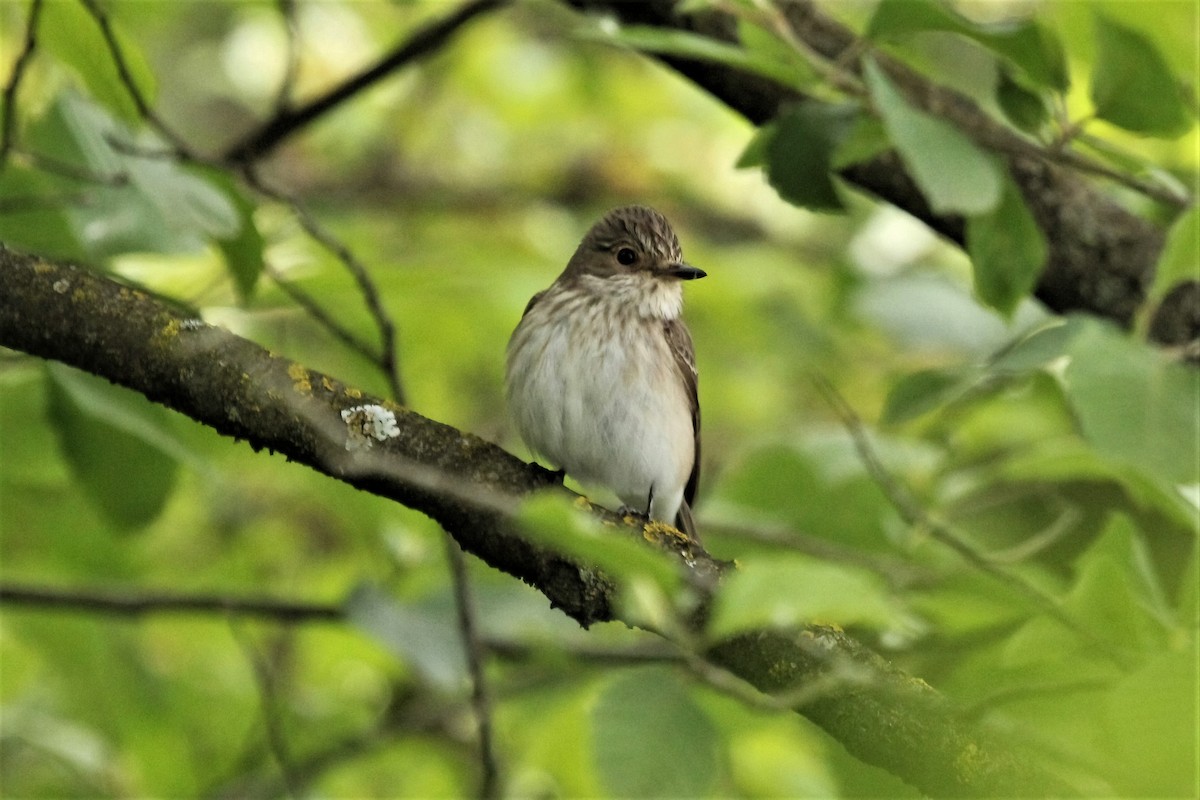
636,513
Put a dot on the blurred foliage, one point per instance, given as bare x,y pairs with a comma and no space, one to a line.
1061,451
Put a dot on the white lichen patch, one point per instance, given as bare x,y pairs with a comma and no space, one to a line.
368,424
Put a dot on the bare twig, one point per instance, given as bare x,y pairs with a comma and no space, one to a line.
288,121
125,73
915,515
9,131
127,603
283,95
315,310
489,787
265,678
386,358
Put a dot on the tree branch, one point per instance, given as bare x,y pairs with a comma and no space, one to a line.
1102,257
470,487
287,120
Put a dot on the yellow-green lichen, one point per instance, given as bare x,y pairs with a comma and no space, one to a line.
300,378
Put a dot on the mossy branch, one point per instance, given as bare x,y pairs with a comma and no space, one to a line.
470,487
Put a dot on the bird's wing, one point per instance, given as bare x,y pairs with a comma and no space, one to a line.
531,302
680,342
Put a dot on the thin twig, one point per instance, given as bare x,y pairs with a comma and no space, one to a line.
897,571
314,309
288,121
125,73
386,357
489,787
914,515
126,603
9,131
265,680
283,95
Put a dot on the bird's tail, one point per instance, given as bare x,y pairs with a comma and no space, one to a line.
685,523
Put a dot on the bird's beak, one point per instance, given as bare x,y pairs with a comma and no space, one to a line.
685,272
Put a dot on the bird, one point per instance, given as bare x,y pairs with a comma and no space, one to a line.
601,375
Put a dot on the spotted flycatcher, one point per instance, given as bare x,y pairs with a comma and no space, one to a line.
601,376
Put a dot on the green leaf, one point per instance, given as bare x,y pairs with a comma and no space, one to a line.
243,250
776,484
1022,107
1109,597
1026,45
32,216
683,44
647,579
799,153
118,444
136,204
1008,251
866,140
792,590
1134,404
70,33
955,176
921,392
755,154
1181,253
1132,85
651,739
1148,728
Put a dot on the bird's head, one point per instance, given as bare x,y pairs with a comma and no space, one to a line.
632,241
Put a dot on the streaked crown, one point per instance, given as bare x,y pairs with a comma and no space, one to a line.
637,225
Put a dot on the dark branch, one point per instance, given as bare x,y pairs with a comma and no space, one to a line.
288,121
148,602
8,132
1102,257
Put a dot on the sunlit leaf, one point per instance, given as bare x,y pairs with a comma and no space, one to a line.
1027,45
1008,251
1132,85
643,572
793,590
651,739
954,175
1149,727
118,443
683,44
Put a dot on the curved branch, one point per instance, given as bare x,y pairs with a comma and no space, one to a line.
470,487
1102,257
288,120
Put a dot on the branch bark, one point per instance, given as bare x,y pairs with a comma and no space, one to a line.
470,486
1102,257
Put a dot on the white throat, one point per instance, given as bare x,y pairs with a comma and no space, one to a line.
650,297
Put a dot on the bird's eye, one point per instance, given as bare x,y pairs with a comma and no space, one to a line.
626,256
